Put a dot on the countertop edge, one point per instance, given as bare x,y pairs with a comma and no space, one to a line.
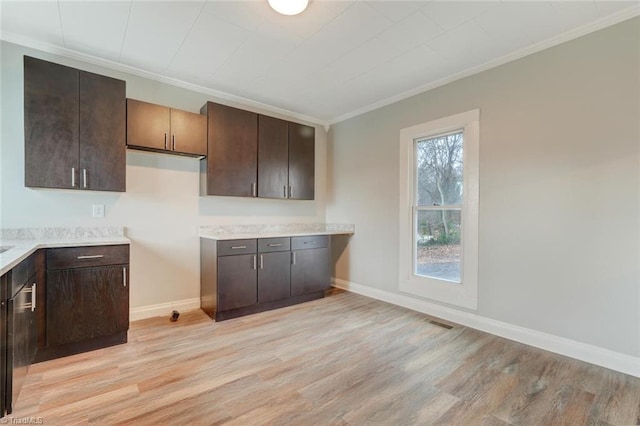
25,248
271,235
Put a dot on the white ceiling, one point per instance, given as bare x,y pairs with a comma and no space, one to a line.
334,60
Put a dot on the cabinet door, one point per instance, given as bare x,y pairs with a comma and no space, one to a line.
5,283
102,133
22,340
273,157
148,125
232,155
237,281
310,271
274,276
51,135
301,161
86,303
188,132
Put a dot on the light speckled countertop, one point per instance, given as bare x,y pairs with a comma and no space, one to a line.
22,242
241,232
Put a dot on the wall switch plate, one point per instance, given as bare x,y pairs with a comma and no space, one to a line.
98,210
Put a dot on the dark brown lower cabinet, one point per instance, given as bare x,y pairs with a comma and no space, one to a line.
310,271
22,339
19,329
237,281
86,303
241,277
274,276
86,300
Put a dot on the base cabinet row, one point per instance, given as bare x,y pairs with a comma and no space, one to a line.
19,339
86,300
240,277
58,302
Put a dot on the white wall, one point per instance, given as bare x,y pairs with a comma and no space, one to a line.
161,209
559,188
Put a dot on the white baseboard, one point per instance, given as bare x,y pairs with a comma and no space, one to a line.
584,352
163,309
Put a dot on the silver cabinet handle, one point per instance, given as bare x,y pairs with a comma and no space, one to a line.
73,177
290,191
311,242
93,256
84,178
293,257
261,262
254,261
173,142
124,276
285,191
238,247
274,245
165,141
253,189
34,289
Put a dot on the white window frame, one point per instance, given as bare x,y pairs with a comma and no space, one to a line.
463,294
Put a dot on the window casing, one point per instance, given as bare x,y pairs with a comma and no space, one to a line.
438,250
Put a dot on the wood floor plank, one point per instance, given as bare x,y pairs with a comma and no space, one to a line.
342,360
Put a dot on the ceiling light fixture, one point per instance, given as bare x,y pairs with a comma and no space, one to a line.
288,7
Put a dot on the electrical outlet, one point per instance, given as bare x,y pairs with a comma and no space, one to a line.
98,210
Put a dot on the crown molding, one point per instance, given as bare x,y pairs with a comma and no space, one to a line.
94,60
596,25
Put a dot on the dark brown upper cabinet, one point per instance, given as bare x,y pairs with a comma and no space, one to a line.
273,157
301,162
74,128
158,128
188,132
286,159
231,166
254,155
148,125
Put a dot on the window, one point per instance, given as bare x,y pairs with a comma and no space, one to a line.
439,209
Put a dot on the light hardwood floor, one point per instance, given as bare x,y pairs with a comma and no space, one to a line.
342,360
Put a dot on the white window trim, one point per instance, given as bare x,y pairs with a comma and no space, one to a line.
466,293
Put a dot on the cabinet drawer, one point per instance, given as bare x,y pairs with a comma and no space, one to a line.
266,245
81,257
311,242
22,272
230,247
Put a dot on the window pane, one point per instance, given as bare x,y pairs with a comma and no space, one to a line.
438,248
439,170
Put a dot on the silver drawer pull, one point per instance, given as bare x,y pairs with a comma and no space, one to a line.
311,242
274,245
94,256
124,276
238,247
33,296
